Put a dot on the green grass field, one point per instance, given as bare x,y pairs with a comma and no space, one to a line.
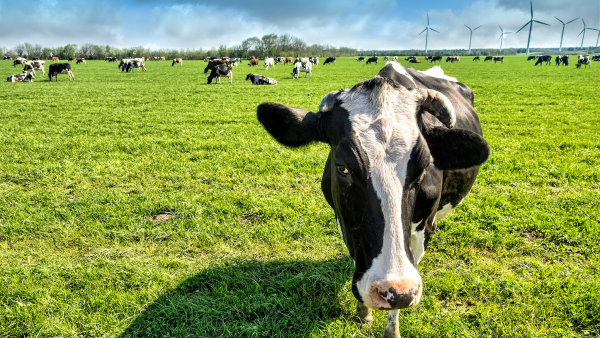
152,204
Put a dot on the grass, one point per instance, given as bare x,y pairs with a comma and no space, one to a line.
136,204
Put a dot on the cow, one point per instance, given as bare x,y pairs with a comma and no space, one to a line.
330,59
55,59
499,59
453,59
6,57
596,58
544,58
72,58
269,62
476,58
220,70
314,60
159,58
564,60
260,80
372,59
437,58
177,60
405,149
361,59
138,63
35,65
19,61
80,60
583,60
288,59
23,77
111,58
299,67
488,58
531,57
386,58
412,59
60,68
395,58
253,62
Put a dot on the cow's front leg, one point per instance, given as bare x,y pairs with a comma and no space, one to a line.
391,329
363,314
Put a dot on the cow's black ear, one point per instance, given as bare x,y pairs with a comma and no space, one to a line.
456,148
290,126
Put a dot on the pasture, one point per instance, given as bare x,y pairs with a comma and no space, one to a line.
153,204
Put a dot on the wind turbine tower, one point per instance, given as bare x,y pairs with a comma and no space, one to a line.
471,35
563,31
530,23
501,38
426,30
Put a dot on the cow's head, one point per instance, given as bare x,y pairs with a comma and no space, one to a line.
379,154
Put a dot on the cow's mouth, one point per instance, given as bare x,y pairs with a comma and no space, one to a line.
395,295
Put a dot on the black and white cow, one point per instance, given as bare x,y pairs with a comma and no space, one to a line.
544,59
437,58
60,68
360,59
138,63
499,59
19,61
405,149
583,60
220,70
476,58
453,59
329,60
488,58
260,80
300,67
24,77
373,59
177,60
531,57
269,62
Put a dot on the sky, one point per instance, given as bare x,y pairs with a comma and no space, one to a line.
360,24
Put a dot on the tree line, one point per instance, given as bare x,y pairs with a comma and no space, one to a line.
268,45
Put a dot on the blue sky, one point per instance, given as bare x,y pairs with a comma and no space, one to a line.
360,24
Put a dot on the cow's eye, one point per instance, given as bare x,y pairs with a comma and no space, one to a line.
342,170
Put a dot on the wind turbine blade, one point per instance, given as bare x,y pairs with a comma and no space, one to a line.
427,18
543,23
476,27
434,30
583,30
560,20
571,21
583,22
502,30
531,5
422,31
525,25
469,28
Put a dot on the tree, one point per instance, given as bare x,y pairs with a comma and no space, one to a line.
269,45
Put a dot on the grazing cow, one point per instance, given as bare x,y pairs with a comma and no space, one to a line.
159,58
253,62
531,57
220,70
437,58
111,59
35,65
564,60
6,57
138,63
24,77
476,58
314,60
453,59
55,59
80,60
395,58
405,149
372,59
60,68
329,60
385,58
488,58
499,59
361,59
260,80
299,67
288,59
544,58
583,60
596,58
412,59
177,60
269,62
19,61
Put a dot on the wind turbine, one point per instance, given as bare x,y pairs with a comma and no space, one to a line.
471,35
426,30
598,37
582,32
563,31
530,23
501,38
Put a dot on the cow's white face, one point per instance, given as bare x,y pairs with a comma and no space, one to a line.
379,156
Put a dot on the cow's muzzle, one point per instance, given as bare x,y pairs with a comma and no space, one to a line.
395,294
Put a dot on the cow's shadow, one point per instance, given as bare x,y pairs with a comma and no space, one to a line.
274,299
